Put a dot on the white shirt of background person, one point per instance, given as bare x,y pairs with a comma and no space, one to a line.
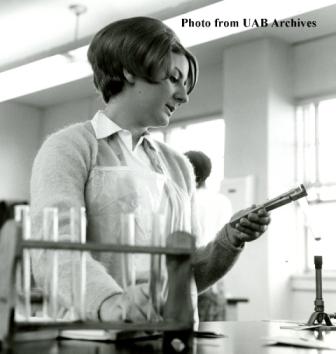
214,210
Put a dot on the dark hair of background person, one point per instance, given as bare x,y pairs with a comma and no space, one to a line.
7,210
3,213
141,46
202,166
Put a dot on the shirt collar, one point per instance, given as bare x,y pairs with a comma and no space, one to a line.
105,127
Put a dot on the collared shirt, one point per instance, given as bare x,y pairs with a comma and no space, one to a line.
105,127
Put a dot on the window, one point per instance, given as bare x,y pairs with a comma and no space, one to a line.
316,147
205,135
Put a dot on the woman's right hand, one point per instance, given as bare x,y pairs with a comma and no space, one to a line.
133,305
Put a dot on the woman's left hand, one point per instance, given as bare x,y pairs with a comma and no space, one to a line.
250,227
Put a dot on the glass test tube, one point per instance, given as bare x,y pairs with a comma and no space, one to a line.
45,237
73,238
83,256
156,265
22,214
18,271
127,236
51,234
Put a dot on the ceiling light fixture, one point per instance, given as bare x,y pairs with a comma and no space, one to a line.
77,10
58,69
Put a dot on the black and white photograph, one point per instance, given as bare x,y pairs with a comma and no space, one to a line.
166,176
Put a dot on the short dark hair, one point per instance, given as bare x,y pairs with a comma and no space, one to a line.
201,164
142,46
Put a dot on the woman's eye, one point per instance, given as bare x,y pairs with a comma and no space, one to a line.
173,79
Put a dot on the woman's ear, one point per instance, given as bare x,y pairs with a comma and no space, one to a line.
129,77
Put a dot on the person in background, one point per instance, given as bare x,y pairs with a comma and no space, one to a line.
111,166
214,210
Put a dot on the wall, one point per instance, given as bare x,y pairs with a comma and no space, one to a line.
59,116
281,176
245,114
206,99
19,140
315,67
303,295
259,115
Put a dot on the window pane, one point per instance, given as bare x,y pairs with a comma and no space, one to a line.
316,124
157,135
300,141
322,226
327,141
206,136
309,136
322,193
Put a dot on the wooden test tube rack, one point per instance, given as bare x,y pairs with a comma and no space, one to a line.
177,322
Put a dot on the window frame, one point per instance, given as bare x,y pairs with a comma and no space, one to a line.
302,175
183,123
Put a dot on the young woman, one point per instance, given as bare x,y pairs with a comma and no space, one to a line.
111,166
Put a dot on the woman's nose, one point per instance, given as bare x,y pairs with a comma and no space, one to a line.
181,95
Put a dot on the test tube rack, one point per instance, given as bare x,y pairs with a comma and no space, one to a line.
177,322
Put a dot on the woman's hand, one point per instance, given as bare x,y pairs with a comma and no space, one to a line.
250,227
133,305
